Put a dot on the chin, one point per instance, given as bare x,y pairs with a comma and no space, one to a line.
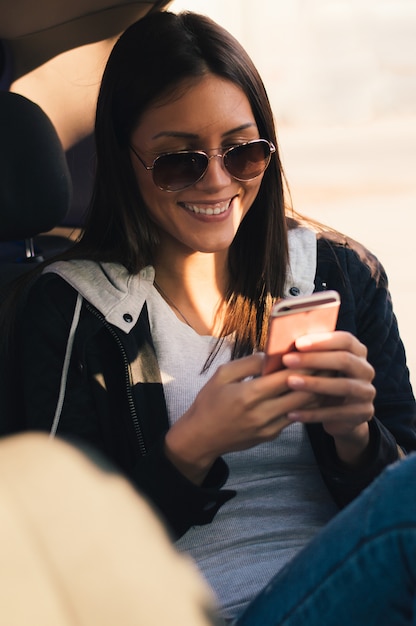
218,247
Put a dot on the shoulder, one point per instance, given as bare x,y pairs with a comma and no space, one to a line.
47,309
349,258
360,279
336,252
50,290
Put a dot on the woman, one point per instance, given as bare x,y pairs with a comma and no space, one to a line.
147,339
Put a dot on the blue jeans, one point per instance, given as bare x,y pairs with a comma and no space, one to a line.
359,571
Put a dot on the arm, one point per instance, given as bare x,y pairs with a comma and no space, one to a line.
42,336
101,416
183,471
366,312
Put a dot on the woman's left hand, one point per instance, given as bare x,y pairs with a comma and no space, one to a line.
343,379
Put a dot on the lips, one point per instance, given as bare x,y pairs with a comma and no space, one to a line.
213,209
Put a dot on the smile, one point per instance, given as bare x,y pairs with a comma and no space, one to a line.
215,209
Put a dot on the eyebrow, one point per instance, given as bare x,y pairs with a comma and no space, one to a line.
184,135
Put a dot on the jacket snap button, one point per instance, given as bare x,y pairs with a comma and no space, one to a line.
127,318
294,291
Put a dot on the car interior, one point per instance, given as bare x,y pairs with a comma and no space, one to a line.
35,186
52,55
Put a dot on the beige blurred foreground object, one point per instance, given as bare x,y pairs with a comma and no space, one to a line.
80,547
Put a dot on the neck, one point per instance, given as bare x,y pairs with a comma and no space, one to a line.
195,289
192,271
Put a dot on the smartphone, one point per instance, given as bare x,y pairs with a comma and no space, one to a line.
291,318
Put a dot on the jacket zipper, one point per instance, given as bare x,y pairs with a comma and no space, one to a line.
132,408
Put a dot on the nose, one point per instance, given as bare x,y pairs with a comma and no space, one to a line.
215,175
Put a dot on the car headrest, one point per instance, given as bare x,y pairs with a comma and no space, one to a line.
35,183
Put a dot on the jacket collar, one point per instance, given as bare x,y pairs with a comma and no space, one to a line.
120,296
300,276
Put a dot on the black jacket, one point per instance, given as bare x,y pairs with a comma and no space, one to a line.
128,421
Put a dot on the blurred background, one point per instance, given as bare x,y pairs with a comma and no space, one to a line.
341,77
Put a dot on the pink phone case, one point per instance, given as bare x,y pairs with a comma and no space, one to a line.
292,318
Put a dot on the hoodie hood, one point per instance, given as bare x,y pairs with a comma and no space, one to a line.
120,296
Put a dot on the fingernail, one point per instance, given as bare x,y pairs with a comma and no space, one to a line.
303,341
293,416
295,382
291,360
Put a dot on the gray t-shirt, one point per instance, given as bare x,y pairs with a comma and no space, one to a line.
281,499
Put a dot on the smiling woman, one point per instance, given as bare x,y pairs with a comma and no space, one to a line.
145,339
206,206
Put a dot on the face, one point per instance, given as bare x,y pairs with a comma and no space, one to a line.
211,114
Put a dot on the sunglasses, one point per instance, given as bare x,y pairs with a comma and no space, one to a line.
174,171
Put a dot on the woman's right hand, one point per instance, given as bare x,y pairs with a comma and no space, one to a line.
236,410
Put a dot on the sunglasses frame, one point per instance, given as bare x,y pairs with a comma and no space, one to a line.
222,155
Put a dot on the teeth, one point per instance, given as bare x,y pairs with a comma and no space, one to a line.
217,210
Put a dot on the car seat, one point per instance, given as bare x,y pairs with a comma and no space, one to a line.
35,194
35,186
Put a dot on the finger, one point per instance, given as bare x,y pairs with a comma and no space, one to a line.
239,369
337,340
337,419
352,390
346,363
274,412
272,385
277,408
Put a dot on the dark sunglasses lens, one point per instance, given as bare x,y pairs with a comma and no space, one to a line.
249,160
176,171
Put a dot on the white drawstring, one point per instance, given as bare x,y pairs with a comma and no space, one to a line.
64,376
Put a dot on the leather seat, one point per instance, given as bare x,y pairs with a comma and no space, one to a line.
35,186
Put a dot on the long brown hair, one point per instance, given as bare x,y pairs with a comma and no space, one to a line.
151,58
